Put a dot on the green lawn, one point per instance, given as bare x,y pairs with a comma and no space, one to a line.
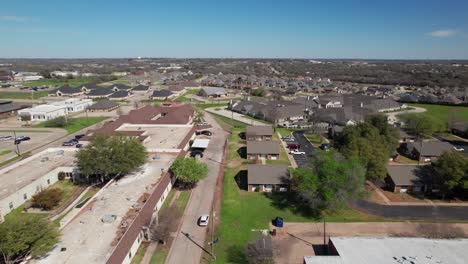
159,257
24,155
59,82
256,119
314,138
76,124
23,95
67,187
4,152
228,124
445,112
140,253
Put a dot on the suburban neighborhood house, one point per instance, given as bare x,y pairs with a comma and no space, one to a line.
267,150
258,133
391,250
410,178
212,92
426,150
8,107
268,178
20,182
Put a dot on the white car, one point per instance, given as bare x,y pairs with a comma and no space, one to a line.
459,149
203,220
297,152
6,138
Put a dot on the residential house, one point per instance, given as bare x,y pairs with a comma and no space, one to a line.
86,88
68,91
162,95
426,150
103,106
263,150
259,133
212,92
410,178
141,89
460,129
120,95
100,93
119,87
268,178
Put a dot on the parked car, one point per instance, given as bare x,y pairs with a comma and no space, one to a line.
69,143
293,146
79,136
297,152
458,148
79,145
288,139
204,132
203,220
6,138
196,153
202,124
23,138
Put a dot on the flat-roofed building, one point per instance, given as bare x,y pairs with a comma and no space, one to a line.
44,112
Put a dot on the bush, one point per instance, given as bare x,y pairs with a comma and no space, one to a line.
61,176
56,122
47,199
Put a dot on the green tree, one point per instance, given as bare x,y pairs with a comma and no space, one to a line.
47,199
452,172
331,183
188,171
258,92
421,125
60,121
21,237
108,157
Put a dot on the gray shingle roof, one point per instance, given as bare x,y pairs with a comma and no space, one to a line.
267,174
8,106
101,92
259,131
68,90
162,93
433,148
213,91
103,104
263,147
119,94
410,174
140,88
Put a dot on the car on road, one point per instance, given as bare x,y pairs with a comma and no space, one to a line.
79,136
6,138
203,220
297,152
288,139
23,138
458,148
204,132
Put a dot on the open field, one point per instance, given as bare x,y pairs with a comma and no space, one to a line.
23,95
76,124
59,82
444,112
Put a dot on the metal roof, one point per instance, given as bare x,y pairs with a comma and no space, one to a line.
201,143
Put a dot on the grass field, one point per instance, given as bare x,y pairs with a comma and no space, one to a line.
4,152
23,95
59,82
242,211
445,112
76,124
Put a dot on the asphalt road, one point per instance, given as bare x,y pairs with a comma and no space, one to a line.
187,249
303,161
456,143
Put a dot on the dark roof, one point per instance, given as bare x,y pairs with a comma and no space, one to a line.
410,175
120,87
461,126
433,148
141,88
259,131
8,106
89,86
262,147
119,94
68,90
100,92
103,104
268,174
162,93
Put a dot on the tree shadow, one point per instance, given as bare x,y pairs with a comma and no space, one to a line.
242,135
287,200
236,254
241,179
242,151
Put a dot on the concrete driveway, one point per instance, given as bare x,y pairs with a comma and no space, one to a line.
185,250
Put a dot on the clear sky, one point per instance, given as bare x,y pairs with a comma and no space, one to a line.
381,29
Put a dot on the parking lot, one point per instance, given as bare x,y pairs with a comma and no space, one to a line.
303,160
39,137
88,239
161,138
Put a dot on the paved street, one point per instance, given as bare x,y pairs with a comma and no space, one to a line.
185,250
306,146
235,116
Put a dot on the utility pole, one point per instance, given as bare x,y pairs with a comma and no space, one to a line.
16,143
212,231
324,237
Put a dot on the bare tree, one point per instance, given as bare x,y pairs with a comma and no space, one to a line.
260,251
161,229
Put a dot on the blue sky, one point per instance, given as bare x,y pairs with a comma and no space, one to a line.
394,29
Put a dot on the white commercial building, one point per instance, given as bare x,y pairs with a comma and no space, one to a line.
43,112
392,250
75,104
23,179
65,73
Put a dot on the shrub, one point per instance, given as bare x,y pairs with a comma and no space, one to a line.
56,122
47,199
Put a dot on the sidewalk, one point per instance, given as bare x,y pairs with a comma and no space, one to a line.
235,116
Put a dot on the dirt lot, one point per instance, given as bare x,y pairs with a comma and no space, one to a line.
297,240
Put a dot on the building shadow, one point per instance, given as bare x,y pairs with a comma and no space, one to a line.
242,151
241,179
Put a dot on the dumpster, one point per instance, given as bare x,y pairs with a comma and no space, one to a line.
278,222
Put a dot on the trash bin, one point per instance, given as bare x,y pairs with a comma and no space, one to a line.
273,232
278,222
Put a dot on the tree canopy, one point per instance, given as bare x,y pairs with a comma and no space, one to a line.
26,236
330,184
372,142
108,157
422,125
452,171
189,171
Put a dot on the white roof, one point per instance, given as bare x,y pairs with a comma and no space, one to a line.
43,108
394,250
200,143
